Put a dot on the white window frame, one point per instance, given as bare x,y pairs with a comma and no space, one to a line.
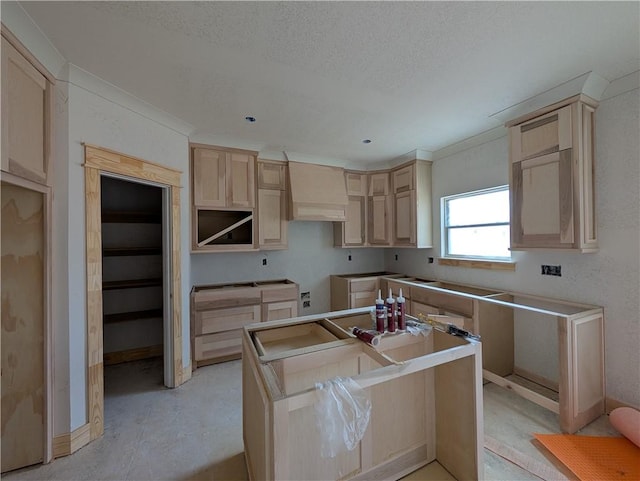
444,228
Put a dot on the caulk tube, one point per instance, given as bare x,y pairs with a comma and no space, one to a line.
379,313
391,319
367,336
402,321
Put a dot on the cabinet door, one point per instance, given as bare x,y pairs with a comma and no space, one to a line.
403,179
380,220
225,319
272,223
542,201
218,347
25,111
405,218
279,310
542,135
356,183
240,180
271,175
379,184
354,226
209,169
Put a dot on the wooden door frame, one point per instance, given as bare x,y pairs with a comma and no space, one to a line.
96,161
8,178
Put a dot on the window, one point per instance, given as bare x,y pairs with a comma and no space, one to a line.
476,224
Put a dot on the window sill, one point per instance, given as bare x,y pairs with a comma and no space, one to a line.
477,264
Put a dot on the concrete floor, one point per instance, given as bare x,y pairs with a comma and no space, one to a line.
195,432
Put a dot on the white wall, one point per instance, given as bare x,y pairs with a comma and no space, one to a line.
608,278
94,119
309,261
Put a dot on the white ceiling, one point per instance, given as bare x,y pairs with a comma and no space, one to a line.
322,76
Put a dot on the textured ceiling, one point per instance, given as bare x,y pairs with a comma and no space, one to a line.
321,76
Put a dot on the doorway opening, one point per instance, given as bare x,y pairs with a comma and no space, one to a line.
103,162
133,260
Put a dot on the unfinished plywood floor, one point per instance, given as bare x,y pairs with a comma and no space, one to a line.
195,432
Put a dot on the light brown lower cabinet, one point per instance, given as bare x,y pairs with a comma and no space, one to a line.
219,312
425,394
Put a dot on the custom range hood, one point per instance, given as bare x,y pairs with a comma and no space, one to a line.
318,192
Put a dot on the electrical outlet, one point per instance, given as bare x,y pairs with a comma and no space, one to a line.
305,295
306,304
551,270
349,256
264,262
430,260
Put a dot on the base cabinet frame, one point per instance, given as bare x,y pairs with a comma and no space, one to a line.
425,392
493,314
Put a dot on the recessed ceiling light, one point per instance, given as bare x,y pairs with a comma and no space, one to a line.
366,141
250,119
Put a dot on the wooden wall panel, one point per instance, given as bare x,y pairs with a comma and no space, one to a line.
23,327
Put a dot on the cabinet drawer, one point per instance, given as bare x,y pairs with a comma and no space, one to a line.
362,299
218,320
279,310
218,345
277,293
219,297
461,306
364,285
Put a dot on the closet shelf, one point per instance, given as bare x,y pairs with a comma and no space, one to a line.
131,251
132,283
129,217
133,315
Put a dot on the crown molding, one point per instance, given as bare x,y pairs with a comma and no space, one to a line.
622,85
91,83
23,28
589,83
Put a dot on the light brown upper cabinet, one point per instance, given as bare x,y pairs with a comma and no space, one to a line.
223,204
272,204
552,177
380,210
353,231
223,178
27,100
412,204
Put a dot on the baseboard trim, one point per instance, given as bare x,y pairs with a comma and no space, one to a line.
69,443
610,404
132,354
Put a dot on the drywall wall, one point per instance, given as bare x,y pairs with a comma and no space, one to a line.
608,278
103,121
309,261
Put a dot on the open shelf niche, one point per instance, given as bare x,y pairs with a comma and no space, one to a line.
132,270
